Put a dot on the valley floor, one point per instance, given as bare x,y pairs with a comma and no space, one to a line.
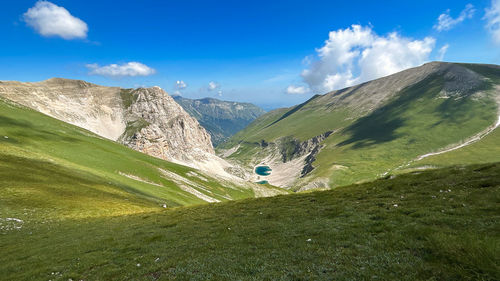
431,225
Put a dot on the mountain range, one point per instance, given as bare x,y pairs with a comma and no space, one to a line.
106,183
221,119
425,117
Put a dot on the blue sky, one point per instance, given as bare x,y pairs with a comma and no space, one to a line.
271,53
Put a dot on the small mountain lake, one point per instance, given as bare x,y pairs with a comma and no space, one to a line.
263,182
263,170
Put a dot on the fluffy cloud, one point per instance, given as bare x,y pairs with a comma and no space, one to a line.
492,18
179,84
126,69
446,22
442,52
357,54
213,85
49,19
296,90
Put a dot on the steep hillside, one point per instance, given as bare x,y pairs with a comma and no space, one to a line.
363,132
49,169
145,119
222,119
431,225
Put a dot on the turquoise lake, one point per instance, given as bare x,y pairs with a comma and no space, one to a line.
263,170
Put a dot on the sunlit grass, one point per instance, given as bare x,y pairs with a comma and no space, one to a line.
70,172
414,122
434,225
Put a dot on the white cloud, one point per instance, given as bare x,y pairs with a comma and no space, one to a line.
126,69
179,84
49,19
219,93
442,52
357,54
446,22
213,85
296,90
492,18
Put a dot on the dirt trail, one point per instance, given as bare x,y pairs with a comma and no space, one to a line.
475,138
471,140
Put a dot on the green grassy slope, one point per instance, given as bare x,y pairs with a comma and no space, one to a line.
49,165
433,225
484,151
413,122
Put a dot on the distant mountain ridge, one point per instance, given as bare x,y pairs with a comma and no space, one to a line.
222,119
377,128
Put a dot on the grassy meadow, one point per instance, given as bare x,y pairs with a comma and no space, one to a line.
433,225
363,147
50,168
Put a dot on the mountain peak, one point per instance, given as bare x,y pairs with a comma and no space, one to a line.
145,119
378,126
67,82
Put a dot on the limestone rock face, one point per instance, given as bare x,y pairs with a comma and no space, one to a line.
95,108
158,126
145,119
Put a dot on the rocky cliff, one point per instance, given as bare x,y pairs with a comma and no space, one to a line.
145,119
157,125
95,108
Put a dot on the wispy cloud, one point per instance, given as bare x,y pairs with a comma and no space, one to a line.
126,69
492,18
296,90
442,52
280,78
49,19
357,54
446,22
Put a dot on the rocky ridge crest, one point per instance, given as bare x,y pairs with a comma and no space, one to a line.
144,119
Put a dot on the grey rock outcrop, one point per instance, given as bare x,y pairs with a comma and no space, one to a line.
158,126
312,146
291,148
95,108
145,119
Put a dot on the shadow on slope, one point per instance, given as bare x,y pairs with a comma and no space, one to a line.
419,101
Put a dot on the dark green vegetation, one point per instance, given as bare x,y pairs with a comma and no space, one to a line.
127,97
50,169
221,119
379,127
134,126
434,225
